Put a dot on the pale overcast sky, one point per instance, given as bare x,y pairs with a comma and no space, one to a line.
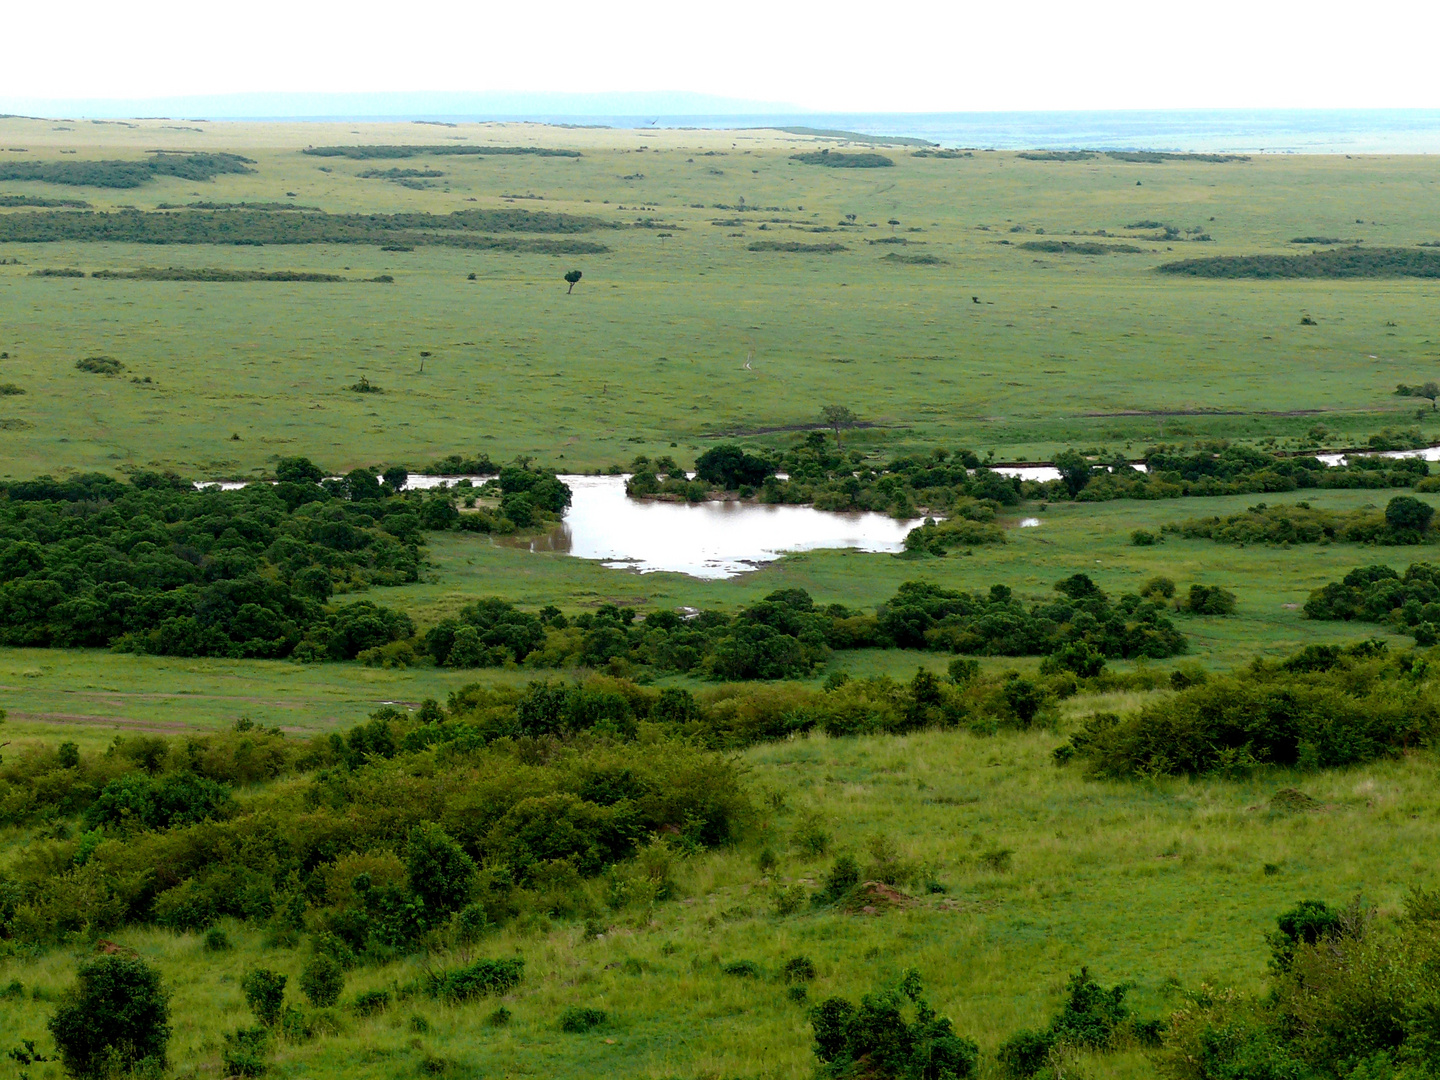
900,55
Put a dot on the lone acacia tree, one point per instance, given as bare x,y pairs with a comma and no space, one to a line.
572,277
836,417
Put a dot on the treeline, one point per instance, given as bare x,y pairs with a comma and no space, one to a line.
1408,602
837,160
36,200
462,228
787,636
821,474
369,153
127,174
155,566
1324,707
1080,247
1405,520
1350,262
182,273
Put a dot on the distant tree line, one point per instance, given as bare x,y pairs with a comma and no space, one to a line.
368,153
127,174
1349,262
462,228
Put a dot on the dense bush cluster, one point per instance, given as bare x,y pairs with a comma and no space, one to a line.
838,160
1321,708
786,635
1092,1017
1352,996
462,228
1348,262
1408,602
155,566
404,827
878,1039
127,174
1224,470
1405,520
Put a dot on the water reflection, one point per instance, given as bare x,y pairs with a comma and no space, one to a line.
704,540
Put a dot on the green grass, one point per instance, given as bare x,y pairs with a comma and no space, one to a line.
653,344
1150,883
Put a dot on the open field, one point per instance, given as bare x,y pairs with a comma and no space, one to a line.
652,348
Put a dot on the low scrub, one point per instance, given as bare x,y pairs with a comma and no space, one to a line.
1324,707
834,159
1349,262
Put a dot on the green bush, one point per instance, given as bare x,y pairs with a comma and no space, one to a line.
265,994
322,981
216,940
798,969
475,980
246,1051
116,1014
579,1019
1088,1020
878,1040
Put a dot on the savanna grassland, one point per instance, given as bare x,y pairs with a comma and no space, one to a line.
728,292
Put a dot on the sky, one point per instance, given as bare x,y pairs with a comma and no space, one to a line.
896,56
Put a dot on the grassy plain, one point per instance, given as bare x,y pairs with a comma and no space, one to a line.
1162,884
653,346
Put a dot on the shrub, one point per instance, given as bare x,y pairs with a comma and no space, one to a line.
878,1039
1210,600
475,980
441,874
798,969
322,980
1025,1053
265,994
116,1013
790,899
371,1002
1088,1019
245,1050
1144,538
579,1019
100,365
741,969
216,940
1161,587
844,875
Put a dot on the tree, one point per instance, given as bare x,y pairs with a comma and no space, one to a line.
892,223
1405,513
322,980
265,994
1074,471
572,277
117,1013
298,470
730,467
1429,390
440,871
396,477
836,417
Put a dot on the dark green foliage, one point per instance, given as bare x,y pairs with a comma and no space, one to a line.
265,994
572,278
58,272
1312,711
1300,523
914,260
1088,1020
1079,247
143,802
178,273
1155,157
741,969
475,980
730,467
938,538
1349,262
922,615
878,1039
471,229
795,247
322,981
1408,602
844,875
216,940
1308,923
798,969
368,153
371,1002
1209,600
117,1013
36,200
440,872
837,160
127,174
246,1051
154,566
579,1019
100,365
1056,155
